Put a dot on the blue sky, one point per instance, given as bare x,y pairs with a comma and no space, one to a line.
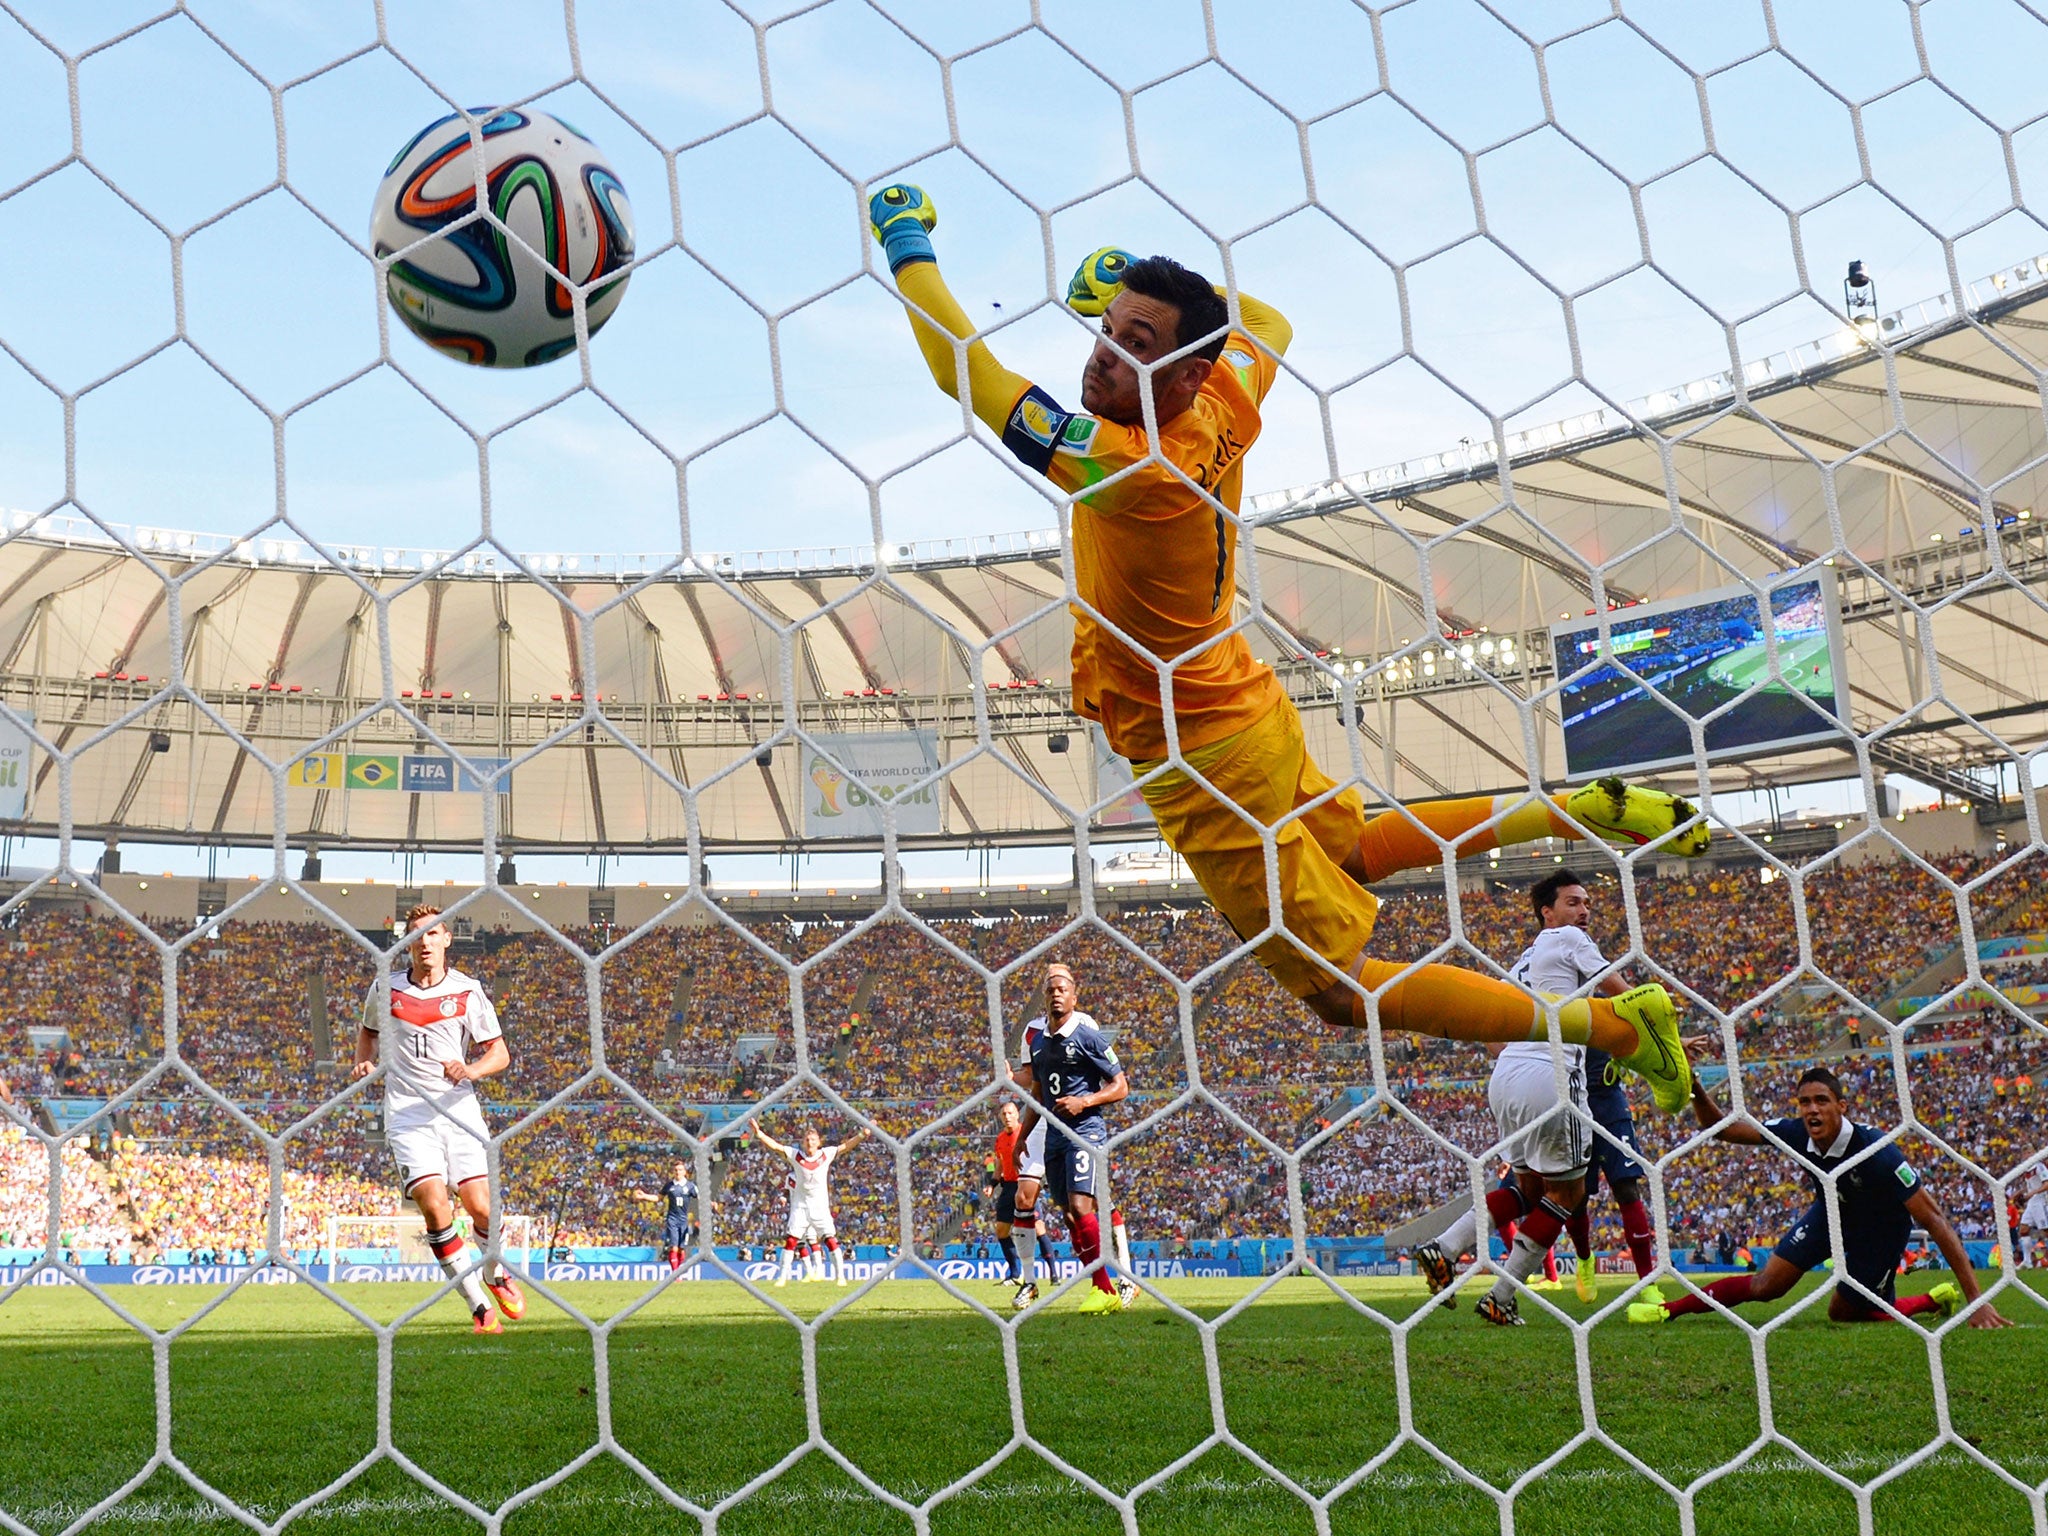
1079,132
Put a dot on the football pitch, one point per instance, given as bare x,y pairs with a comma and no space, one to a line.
1751,666
274,1395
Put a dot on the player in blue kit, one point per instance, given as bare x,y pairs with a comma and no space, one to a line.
1072,1072
1881,1200
1607,1102
678,1199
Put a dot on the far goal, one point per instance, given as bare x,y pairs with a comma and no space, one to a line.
400,1238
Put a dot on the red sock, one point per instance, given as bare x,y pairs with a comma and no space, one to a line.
1908,1305
1550,1263
1087,1234
1642,1237
1581,1229
1731,1292
1544,1225
675,1258
1504,1208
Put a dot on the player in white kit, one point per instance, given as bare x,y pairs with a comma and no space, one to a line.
2033,1232
810,1197
1548,1140
433,1119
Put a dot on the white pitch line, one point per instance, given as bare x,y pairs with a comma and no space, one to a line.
163,1511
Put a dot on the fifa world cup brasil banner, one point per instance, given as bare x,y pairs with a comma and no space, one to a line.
850,783
14,774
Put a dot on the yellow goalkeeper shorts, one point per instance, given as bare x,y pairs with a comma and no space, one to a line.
1265,770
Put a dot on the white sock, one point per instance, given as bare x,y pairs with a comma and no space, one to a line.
1523,1260
1121,1233
788,1253
481,1231
471,1287
1462,1234
1027,1252
838,1261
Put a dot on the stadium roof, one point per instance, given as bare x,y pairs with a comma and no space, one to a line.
1921,458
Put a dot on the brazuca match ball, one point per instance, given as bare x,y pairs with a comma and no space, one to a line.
473,293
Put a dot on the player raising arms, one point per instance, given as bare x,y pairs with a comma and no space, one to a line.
1071,1072
810,1196
1881,1199
678,1200
1155,556
433,1119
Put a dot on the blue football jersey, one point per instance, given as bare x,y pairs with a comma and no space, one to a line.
679,1194
1079,1061
1873,1194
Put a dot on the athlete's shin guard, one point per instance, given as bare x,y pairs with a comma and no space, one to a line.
1540,1228
1087,1231
1642,1237
446,1247
1731,1292
1392,842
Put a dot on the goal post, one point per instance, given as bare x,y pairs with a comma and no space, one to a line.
400,1237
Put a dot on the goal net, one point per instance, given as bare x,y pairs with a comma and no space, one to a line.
1630,389
399,1238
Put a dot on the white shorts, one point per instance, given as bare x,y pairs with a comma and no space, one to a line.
1521,1092
430,1145
1031,1161
809,1225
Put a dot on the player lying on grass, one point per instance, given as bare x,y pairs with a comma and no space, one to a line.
678,1200
1881,1201
1155,550
810,1198
433,1119
1072,1072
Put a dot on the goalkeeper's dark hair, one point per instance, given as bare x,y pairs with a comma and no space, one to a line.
1544,892
1825,1078
1203,314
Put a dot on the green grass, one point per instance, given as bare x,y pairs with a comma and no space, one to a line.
273,1395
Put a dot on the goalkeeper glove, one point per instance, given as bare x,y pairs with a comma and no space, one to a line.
1098,280
903,217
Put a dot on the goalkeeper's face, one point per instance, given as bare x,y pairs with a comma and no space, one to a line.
1138,329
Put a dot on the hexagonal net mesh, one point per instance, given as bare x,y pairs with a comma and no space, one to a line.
1814,564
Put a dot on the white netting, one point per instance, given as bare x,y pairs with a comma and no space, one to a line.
1718,170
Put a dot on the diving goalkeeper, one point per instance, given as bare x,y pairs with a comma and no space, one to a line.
1155,557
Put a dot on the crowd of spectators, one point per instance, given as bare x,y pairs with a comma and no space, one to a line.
894,1023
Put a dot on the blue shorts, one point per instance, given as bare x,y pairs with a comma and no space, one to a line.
1070,1165
1006,1201
1874,1266
1609,1161
675,1232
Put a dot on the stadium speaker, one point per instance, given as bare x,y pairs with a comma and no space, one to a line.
309,872
507,873
764,758
1056,742
159,741
110,861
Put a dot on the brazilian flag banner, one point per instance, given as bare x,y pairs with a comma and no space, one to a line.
370,772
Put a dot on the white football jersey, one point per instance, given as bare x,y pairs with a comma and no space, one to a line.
431,1025
1558,961
807,1177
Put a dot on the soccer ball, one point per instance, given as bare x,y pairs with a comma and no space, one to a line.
473,293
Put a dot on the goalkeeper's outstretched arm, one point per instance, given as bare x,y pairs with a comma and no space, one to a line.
903,218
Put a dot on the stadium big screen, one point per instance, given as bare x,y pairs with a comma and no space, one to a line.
1687,658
